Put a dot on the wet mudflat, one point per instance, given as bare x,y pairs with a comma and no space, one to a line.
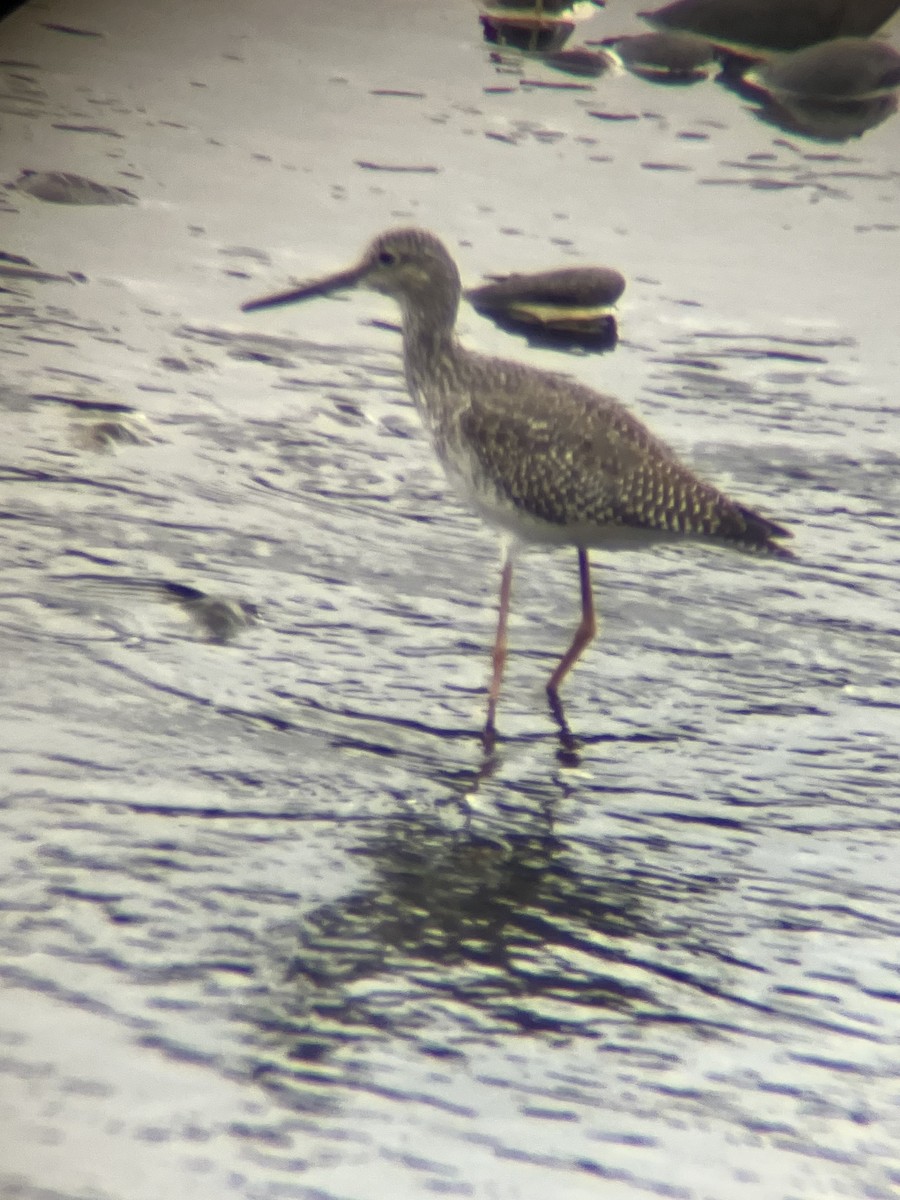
269,927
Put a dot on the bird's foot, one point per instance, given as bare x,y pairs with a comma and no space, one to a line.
569,752
489,738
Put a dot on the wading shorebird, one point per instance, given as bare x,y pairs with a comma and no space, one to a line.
540,456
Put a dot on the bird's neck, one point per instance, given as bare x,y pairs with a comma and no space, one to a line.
430,318
429,347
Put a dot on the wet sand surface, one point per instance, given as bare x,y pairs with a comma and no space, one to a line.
270,925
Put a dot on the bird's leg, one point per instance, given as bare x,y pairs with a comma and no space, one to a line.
584,634
498,657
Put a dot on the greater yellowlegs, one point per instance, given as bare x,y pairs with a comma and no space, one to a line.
540,456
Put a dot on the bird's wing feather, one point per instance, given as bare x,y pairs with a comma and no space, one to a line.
569,455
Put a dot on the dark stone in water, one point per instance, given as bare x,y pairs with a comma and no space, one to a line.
62,187
665,56
849,68
761,25
579,61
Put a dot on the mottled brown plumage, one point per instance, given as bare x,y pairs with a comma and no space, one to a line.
543,457
569,456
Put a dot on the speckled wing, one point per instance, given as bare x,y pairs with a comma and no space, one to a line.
570,456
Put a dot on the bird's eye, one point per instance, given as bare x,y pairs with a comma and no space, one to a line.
387,258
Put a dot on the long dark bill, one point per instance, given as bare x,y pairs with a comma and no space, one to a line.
316,287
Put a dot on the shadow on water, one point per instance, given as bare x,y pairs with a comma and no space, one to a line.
461,936
463,940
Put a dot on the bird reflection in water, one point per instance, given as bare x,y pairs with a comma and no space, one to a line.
457,931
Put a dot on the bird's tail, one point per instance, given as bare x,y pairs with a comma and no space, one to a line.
749,531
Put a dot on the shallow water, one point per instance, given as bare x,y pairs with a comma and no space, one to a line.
270,925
